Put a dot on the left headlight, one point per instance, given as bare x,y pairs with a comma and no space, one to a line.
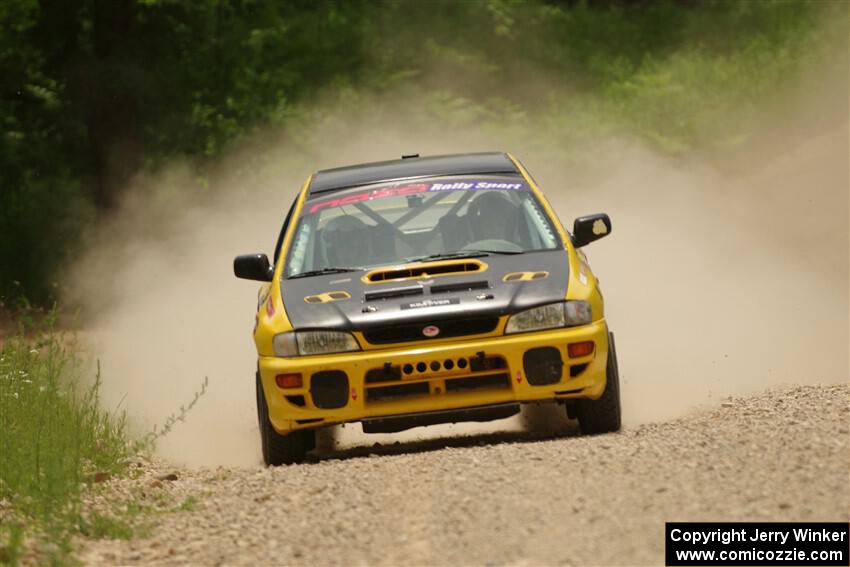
552,316
305,343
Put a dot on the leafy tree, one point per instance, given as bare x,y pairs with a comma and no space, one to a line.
95,91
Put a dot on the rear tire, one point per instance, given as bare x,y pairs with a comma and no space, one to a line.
281,449
603,415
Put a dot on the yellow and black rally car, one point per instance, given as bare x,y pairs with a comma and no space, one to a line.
427,290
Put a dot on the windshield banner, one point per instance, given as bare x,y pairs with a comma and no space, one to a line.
417,188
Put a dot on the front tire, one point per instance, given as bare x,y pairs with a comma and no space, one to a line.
603,415
281,449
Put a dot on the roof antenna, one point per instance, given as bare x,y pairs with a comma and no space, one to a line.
409,156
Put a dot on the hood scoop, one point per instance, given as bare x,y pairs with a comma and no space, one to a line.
388,293
425,270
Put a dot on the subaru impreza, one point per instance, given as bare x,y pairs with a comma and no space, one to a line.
427,290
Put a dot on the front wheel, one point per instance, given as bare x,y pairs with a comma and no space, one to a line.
603,415
281,449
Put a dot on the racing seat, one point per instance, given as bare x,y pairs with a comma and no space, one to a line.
347,242
455,232
493,216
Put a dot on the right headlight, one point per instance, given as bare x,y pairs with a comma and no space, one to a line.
305,343
552,316
577,312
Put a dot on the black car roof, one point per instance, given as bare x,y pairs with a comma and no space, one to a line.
328,180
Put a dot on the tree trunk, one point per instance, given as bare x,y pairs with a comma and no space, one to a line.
112,113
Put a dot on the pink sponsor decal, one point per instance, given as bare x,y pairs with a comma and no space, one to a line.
368,196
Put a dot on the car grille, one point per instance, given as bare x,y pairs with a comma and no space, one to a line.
413,332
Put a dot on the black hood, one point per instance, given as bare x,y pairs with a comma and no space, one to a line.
430,300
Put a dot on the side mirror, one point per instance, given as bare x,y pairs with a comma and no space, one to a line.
253,267
589,228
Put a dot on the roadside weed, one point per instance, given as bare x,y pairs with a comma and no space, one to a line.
53,438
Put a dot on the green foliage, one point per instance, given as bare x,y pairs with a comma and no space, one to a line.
41,183
678,75
94,92
58,444
190,504
54,438
103,526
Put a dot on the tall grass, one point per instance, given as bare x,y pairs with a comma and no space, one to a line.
54,439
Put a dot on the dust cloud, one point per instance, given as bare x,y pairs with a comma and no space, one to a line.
721,277
720,284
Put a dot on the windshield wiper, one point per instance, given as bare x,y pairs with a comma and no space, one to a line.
447,255
459,254
323,272
507,252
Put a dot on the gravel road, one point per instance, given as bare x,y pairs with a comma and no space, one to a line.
512,498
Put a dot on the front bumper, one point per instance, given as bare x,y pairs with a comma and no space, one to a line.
493,372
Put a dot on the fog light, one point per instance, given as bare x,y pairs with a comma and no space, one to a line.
288,381
576,350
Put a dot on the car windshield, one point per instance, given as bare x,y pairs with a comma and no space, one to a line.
421,220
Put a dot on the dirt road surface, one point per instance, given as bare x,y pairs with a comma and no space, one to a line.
508,499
